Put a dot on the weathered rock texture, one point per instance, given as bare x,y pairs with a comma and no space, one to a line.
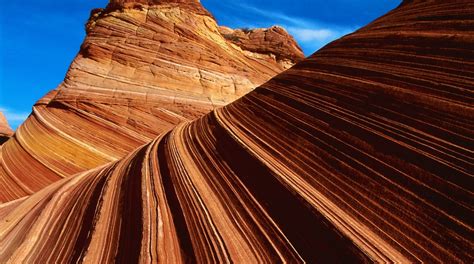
274,41
144,67
5,130
363,152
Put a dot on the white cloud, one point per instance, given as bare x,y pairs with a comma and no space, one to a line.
14,118
277,16
305,34
310,34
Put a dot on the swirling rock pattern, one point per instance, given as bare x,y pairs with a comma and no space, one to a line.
360,153
144,67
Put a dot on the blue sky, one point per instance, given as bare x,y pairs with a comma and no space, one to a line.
39,38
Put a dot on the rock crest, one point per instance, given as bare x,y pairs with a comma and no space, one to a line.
5,130
144,67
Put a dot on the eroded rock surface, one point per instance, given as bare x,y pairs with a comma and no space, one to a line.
360,153
144,67
274,42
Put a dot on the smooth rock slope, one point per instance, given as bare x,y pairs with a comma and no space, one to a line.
144,67
361,153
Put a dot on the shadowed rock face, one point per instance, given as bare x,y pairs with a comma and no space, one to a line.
5,130
144,67
362,152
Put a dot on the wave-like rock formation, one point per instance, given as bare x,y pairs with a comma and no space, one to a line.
144,67
362,152
5,131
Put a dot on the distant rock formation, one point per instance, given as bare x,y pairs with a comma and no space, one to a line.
274,41
361,153
5,131
144,67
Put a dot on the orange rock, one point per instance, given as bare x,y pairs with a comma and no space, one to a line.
274,41
144,67
361,153
5,130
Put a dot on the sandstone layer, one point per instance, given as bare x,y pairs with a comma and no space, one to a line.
360,153
5,131
144,67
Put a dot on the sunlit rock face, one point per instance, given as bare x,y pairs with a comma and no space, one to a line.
5,130
144,67
261,42
360,153
122,3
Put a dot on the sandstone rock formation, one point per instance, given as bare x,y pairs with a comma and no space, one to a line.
260,42
5,130
360,153
144,67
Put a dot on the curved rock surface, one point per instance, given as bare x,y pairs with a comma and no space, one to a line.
144,67
362,152
5,130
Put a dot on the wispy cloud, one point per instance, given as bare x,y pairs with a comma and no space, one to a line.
14,118
318,37
274,15
310,34
306,35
